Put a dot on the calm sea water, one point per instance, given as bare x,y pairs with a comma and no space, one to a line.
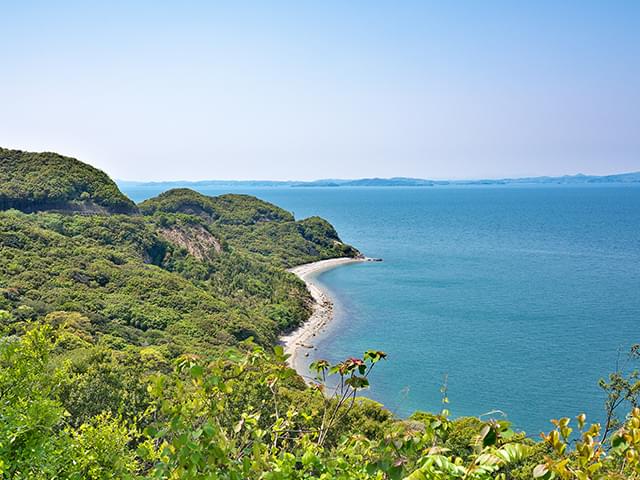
521,296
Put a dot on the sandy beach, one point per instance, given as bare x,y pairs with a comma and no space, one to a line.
302,339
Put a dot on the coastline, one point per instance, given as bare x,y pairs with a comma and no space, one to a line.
297,341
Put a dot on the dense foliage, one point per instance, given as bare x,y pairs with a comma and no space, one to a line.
141,347
44,181
256,226
132,283
74,408
226,209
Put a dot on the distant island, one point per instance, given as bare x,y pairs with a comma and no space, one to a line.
578,179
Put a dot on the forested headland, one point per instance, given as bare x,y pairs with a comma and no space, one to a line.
140,341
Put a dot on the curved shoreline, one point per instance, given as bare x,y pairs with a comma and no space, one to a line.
300,339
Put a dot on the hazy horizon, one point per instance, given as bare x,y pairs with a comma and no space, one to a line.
181,180
333,90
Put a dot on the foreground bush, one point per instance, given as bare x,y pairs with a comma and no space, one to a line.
244,414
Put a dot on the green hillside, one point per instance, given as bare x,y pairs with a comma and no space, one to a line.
130,281
48,181
250,224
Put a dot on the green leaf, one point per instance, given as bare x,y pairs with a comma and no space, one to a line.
196,371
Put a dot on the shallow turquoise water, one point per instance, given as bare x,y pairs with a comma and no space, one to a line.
522,296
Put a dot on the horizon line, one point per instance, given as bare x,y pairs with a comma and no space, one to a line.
424,179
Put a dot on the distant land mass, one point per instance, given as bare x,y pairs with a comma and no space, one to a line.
578,179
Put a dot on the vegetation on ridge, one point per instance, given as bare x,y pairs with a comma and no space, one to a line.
224,209
256,226
49,181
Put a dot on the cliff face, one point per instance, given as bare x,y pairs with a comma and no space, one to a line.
33,182
195,239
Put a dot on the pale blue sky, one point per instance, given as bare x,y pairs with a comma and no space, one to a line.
304,90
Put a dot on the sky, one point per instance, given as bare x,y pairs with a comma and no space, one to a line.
303,90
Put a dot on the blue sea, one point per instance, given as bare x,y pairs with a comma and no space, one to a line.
522,297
